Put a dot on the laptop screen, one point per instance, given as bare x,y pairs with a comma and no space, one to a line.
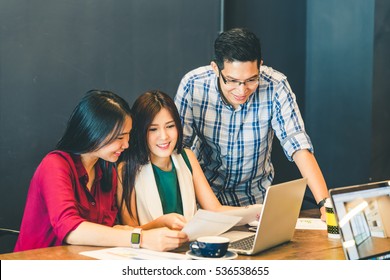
363,216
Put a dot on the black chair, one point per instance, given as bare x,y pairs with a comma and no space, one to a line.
8,239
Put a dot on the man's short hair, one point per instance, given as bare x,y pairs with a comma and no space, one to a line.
237,44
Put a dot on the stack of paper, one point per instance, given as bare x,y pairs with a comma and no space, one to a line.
125,253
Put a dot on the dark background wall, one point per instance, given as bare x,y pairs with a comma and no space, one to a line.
52,52
335,54
339,59
380,143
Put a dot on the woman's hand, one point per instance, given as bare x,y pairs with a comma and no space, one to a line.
259,207
162,239
172,221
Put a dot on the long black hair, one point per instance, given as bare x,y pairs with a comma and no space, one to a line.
145,109
96,121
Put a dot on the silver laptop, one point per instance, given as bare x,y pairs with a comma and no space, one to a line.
363,216
278,218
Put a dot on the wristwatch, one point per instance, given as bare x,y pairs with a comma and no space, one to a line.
322,202
135,238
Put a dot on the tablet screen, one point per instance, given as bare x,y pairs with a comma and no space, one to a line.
363,216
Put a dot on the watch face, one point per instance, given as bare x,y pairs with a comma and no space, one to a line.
135,238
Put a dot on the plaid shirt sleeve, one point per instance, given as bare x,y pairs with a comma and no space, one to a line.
183,101
287,121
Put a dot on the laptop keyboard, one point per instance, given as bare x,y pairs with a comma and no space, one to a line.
243,244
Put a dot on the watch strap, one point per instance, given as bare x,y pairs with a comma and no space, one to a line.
321,203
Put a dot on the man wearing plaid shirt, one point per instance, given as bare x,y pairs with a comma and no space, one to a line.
231,110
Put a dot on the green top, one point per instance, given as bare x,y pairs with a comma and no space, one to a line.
168,187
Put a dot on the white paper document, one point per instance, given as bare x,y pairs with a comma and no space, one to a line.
125,253
249,214
209,223
309,223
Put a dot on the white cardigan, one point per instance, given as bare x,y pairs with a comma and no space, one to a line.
148,200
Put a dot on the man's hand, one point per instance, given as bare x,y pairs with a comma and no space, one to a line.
323,213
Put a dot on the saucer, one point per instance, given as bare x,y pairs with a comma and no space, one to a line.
228,256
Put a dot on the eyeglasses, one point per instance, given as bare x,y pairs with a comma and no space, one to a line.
235,83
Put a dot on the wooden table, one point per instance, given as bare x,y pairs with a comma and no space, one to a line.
305,245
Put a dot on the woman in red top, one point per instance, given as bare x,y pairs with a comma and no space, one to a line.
72,195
